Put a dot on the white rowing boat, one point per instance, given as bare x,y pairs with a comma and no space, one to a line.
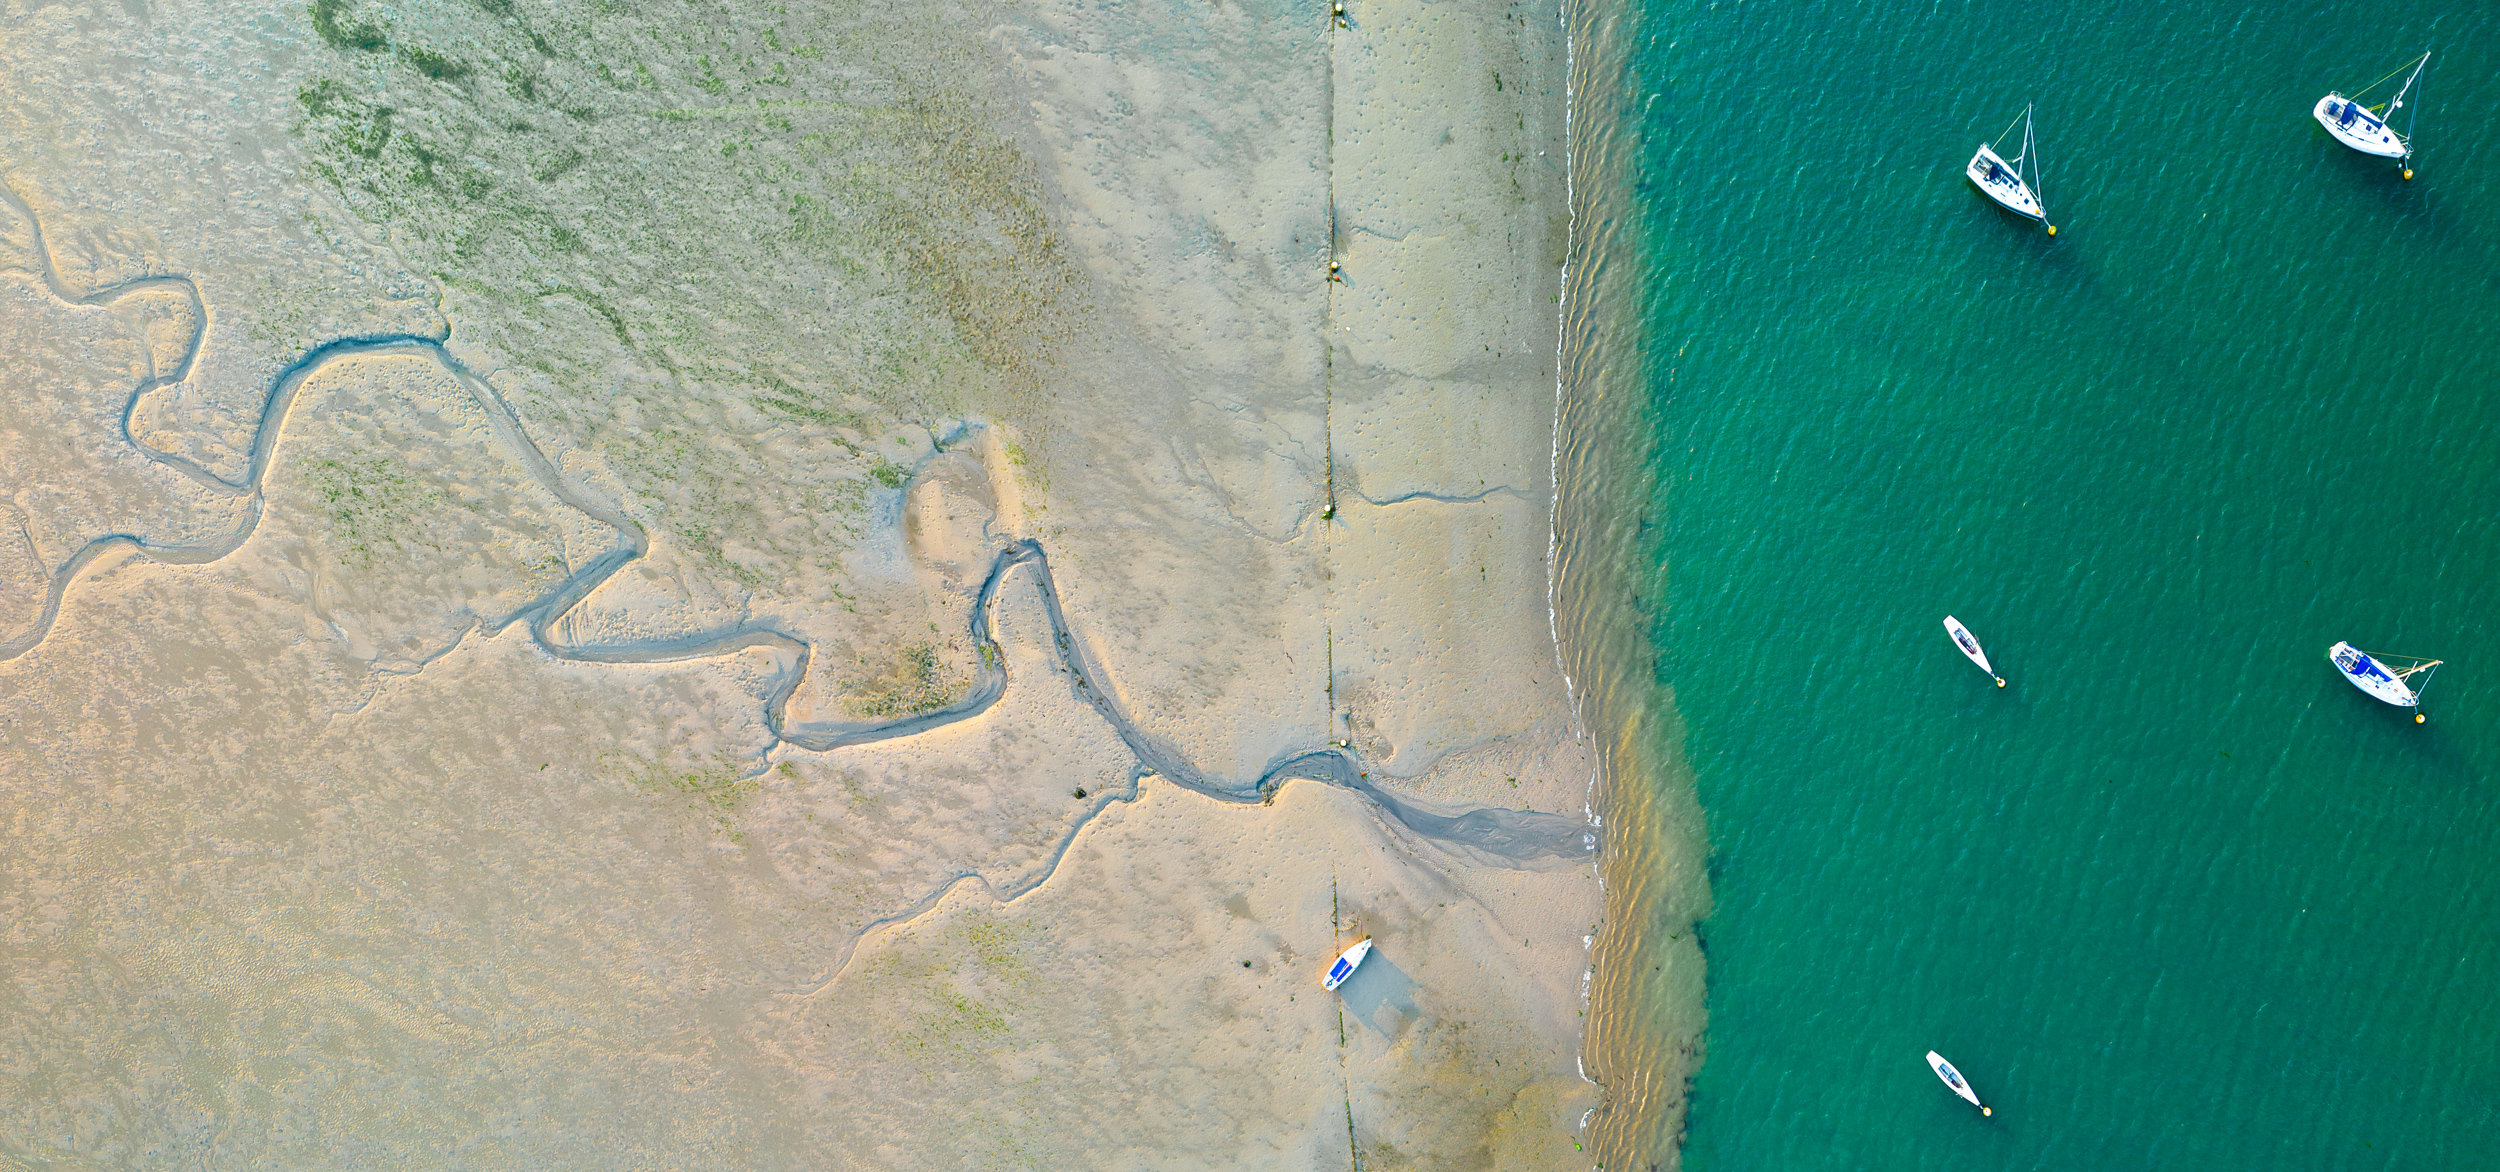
2367,129
2382,677
1347,961
2001,179
1969,644
1953,1078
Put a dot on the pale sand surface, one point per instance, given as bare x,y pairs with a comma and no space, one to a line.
498,664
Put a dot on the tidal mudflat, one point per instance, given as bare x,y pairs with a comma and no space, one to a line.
766,585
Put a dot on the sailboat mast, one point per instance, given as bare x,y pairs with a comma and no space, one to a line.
2418,67
2425,63
2030,147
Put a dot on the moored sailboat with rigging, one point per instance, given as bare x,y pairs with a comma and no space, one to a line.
2368,129
1953,1078
2388,678
1969,645
2001,179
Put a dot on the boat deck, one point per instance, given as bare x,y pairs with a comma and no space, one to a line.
2367,675
1997,180
2358,128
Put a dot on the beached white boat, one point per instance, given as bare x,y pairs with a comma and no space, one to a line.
1347,961
1969,644
2387,677
2002,180
1953,1078
2366,128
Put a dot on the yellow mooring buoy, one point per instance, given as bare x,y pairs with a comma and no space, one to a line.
2418,718
2052,229
2408,172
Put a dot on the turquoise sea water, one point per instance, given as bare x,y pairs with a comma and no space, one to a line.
2179,897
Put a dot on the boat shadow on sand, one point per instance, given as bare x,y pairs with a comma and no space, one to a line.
1381,996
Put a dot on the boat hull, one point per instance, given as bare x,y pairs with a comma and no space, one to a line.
1968,643
1345,964
1997,180
2368,675
1953,1079
2356,127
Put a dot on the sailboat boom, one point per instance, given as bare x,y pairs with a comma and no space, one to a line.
2425,665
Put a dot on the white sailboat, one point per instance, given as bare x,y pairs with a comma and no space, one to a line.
2002,180
2366,128
1953,1078
1347,961
2382,677
1969,644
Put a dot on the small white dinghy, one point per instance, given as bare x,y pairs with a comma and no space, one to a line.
1953,1078
2002,180
1347,961
2381,677
2365,128
1969,644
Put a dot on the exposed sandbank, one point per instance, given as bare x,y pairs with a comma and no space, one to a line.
493,680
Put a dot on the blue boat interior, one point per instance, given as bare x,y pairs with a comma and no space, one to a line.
2363,665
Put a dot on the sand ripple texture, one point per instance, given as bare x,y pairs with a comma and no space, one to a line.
403,429
785,585
393,503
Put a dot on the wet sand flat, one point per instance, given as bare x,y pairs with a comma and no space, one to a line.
756,586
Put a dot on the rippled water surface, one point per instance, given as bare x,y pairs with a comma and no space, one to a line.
2178,897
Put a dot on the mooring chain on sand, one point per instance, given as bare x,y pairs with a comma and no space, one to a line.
1490,835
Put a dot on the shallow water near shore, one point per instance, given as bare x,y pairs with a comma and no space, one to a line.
2178,896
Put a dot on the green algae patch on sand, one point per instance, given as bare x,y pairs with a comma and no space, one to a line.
371,504
1477,1100
332,22
915,680
432,64
718,239
403,518
715,789
951,991
756,523
956,993
968,978
721,785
